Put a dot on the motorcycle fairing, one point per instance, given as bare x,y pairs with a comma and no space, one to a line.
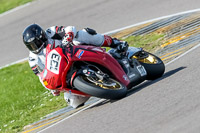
54,68
59,62
99,56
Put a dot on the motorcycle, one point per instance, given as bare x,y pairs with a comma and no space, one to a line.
91,71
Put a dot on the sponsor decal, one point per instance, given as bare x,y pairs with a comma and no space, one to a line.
79,53
141,70
132,75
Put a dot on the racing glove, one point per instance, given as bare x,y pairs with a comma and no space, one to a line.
122,47
68,38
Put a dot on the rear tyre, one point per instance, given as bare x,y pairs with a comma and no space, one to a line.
110,89
154,65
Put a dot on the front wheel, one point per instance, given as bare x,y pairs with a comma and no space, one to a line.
153,64
109,89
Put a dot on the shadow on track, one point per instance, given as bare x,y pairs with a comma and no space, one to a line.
150,82
143,85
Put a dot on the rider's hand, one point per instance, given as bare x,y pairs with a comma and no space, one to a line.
68,38
122,47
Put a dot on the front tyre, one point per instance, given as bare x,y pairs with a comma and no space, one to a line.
110,89
153,64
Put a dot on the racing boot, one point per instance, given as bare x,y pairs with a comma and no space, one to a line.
121,46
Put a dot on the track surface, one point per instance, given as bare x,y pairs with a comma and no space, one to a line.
102,15
170,104
167,105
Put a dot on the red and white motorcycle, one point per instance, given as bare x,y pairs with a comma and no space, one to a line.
91,71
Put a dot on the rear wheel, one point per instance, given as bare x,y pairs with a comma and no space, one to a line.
108,89
153,64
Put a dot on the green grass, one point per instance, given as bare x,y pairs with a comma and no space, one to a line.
150,42
6,5
23,100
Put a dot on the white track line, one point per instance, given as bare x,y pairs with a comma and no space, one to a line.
110,32
190,50
19,61
156,19
101,100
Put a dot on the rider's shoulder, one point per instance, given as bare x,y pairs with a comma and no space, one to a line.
51,31
70,28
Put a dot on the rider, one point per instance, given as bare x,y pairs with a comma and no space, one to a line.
36,40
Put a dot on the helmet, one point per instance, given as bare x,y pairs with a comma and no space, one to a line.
34,38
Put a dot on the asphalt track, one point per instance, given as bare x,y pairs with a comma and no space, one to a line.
169,104
102,15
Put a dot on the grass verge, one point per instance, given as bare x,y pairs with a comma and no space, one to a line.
6,5
150,42
23,99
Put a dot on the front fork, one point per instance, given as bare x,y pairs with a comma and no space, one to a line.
89,72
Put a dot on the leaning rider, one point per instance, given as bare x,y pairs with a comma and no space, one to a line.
36,40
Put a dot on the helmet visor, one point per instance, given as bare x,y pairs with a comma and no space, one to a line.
35,46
